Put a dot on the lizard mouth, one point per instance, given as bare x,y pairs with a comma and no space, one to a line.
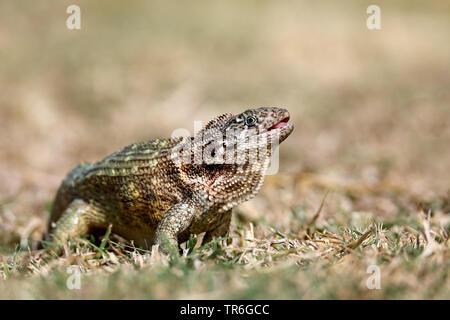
281,124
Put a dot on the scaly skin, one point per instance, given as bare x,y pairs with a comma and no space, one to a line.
153,193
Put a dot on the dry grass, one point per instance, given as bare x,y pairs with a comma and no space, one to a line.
371,114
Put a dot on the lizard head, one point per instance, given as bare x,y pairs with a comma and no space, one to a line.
269,121
233,139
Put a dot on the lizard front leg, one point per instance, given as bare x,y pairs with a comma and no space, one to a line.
176,220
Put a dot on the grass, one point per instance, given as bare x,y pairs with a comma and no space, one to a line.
363,179
314,258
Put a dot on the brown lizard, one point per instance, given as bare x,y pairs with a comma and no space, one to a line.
162,191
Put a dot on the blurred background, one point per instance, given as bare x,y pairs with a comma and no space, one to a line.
369,106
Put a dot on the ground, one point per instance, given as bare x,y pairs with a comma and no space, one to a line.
360,205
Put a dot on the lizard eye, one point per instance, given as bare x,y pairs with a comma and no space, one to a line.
250,121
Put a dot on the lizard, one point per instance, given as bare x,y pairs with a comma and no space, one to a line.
162,191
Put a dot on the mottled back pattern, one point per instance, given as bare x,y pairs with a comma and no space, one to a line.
162,191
